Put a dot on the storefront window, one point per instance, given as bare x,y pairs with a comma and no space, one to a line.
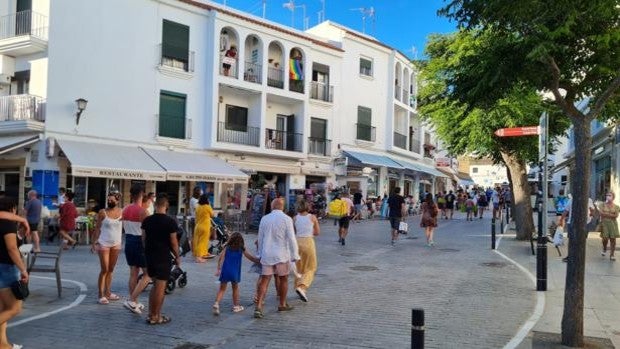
79,189
233,196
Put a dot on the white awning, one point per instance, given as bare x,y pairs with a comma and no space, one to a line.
14,142
110,161
196,167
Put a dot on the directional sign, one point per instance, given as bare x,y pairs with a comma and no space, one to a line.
518,131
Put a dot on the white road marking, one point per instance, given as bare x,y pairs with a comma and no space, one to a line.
538,309
75,303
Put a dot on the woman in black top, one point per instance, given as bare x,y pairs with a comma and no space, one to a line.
12,268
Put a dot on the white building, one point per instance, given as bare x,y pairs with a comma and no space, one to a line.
171,106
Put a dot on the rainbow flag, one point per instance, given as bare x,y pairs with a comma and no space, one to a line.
295,69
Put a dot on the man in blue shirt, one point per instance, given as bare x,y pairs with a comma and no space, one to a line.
32,211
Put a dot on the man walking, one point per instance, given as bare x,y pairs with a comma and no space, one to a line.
133,215
32,211
450,199
396,202
160,238
277,249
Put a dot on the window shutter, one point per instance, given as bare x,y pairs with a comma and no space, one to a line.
175,41
172,115
364,116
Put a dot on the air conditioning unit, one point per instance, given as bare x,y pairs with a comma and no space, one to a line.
5,79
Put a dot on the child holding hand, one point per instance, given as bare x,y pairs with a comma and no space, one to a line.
229,270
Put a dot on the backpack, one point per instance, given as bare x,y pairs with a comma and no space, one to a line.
560,205
337,208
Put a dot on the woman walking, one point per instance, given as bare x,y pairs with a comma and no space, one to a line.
306,227
12,269
202,231
107,239
68,213
609,225
429,218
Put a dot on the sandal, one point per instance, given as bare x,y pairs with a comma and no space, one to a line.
286,307
216,309
258,314
237,308
103,300
113,297
162,320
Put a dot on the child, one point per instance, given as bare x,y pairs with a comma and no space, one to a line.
229,270
469,208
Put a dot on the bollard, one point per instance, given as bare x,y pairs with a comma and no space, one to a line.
541,254
417,328
501,225
493,233
507,214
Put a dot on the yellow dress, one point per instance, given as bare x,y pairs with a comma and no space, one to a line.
202,231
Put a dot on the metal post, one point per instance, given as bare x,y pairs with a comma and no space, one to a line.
417,328
501,223
493,233
508,214
541,257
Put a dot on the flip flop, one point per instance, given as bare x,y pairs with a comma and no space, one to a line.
113,297
103,300
162,320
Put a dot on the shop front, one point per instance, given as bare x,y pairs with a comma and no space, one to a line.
15,155
376,175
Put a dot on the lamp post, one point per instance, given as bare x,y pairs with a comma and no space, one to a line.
81,105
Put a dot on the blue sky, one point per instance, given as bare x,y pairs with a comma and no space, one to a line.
402,24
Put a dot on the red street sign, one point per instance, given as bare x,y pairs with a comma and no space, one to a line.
518,131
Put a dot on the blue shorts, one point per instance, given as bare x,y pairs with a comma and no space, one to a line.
134,251
8,275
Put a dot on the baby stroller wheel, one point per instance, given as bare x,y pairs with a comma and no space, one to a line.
170,286
183,280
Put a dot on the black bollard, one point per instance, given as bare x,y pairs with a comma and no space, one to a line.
507,214
417,328
493,233
541,253
501,225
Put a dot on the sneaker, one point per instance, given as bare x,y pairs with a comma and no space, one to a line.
612,258
342,242
258,313
302,295
339,240
140,305
133,307
431,243
216,309
603,253
237,308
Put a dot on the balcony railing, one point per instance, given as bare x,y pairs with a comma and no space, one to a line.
397,90
174,60
22,107
24,23
400,140
414,145
275,77
296,85
366,132
405,96
228,66
253,72
282,140
173,126
321,91
319,146
238,134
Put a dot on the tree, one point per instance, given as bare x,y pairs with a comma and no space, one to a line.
565,47
467,129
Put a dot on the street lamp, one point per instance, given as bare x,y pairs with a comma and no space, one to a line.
81,105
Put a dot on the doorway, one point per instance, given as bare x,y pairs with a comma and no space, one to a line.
9,182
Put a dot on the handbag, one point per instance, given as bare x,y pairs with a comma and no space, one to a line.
403,226
20,290
558,237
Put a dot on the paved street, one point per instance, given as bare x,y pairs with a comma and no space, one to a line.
362,297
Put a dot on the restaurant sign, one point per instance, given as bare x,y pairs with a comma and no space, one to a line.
196,177
117,173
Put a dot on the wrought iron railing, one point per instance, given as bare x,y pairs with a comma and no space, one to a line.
319,146
366,132
321,91
24,23
22,107
238,134
282,140
275,77
400,140
253,72
296,85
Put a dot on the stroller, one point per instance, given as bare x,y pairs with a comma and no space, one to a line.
221,236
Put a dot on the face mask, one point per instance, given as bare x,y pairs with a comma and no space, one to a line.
111,204
609,198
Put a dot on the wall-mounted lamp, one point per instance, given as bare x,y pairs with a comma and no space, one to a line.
81,105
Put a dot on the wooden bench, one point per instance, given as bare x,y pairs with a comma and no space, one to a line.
53,267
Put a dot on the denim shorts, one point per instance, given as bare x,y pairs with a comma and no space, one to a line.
134,251
8,275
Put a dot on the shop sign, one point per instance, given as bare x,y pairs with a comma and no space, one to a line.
204,178
340,166
123,174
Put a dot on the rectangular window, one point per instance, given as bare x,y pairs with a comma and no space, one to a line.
474,170
364,124
318,128
172,114
236,118
175,45
365,67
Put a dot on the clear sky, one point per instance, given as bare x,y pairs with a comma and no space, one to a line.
402,24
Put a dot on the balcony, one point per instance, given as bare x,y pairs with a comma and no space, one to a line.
23,33
228,66
414,145
321,91
400,140
319,146
238,134
173,126
296,85
397,91
275,77
282,140
253,73
366,132
21,113
173,59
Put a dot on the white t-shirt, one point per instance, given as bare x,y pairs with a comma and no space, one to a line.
569,208
193,203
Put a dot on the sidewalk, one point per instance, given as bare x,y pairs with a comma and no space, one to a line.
602,293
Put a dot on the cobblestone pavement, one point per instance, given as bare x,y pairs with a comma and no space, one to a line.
361,298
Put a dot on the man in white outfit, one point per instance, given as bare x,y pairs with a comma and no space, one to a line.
567,219
277,249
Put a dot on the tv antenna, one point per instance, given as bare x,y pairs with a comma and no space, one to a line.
291,6
367,12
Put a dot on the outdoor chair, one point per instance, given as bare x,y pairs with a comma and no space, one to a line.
52,265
